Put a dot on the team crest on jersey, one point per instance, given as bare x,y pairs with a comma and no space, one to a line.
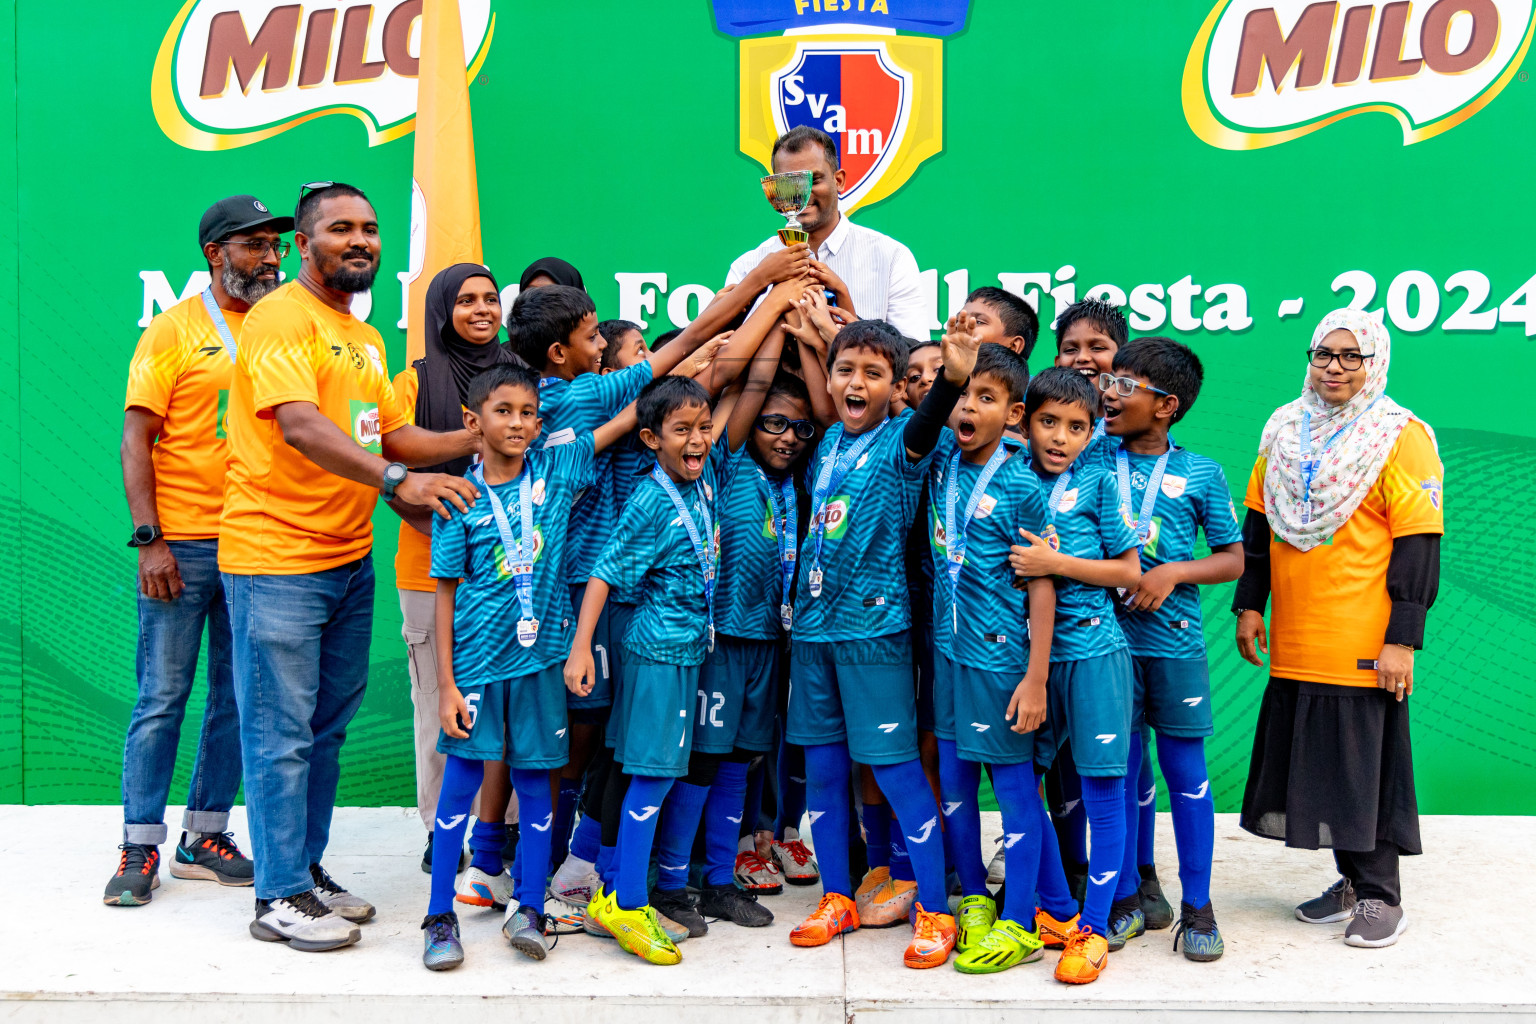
504,565
985,506
1173,486
843,67
537,492
1432,489
1068,500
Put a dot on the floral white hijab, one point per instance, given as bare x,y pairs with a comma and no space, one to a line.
1370,422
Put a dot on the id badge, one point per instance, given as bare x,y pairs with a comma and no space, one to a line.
786,616
814,579
527,631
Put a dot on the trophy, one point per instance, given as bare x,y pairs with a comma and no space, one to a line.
789,192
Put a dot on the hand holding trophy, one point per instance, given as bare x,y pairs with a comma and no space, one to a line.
789,192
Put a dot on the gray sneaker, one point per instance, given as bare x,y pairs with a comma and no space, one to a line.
353,908
1375,924
303,922
1335,904
524,929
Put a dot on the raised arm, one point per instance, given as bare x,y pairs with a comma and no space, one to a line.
784,264
746,340
739,409
961,340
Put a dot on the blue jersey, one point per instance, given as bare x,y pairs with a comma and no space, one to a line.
468,547
984,626
651,556
1193,496
866,518
579,406
629,461
751,578
1085,524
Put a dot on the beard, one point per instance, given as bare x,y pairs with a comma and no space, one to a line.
243,286
343,278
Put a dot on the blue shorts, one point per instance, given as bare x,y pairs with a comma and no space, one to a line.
613,663
1089,704
978,700
652,719
1175,696
923,668
857,692
521,719
605,643
738,696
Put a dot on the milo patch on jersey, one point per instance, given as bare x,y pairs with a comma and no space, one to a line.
1173,486
365,426
940,538
1154,531
504,565
221,422
835,516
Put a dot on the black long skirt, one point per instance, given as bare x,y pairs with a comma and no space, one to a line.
1332,768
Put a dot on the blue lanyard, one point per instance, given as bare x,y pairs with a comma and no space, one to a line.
1058,490
833,470
518,555
219,324
781,499
954,533
703,548
1309,465
1142,524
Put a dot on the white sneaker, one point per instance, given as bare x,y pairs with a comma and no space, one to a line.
995,865
575,881
755,874
796,861
339,900
482,889
304,922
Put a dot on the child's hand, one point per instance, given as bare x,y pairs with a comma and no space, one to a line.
783,264
959,345
701,358
786,294
813,305
1155,586
580,672
828,280
1027,706
451,710
1394,670
1251,634
1036,559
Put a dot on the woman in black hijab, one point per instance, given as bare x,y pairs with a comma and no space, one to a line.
550,270
463,320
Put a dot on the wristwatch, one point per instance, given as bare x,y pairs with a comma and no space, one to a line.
394,476
143,535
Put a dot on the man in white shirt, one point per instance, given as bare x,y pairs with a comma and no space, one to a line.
873,276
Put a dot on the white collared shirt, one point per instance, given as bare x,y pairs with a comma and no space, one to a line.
881,274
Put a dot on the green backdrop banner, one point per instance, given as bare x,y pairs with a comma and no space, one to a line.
1229,172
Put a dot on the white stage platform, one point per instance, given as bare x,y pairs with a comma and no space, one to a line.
66,957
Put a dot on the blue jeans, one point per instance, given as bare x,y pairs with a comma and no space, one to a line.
170,636
301,666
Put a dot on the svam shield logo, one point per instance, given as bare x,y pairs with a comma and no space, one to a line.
880,98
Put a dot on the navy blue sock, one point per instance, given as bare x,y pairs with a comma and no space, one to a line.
1146,803
532,788
1056,896
486,841
876,819
901,861
827,769
724,813
674,837
1105,799
906,787
1130,878
637,834
753,784
461,780
587,839
959,781
1024,826
1194,813
1072,824
791,768
565,815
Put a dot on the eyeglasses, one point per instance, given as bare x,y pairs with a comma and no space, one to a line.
258,247
1125,387
775,424
1349,360
316,186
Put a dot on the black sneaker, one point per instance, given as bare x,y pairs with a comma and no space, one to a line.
1077,881
426,857
681,906
729,903
213,857
1202,939
138,873
509,849
1337,903
1154,905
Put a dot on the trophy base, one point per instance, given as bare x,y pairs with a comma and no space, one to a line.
794,236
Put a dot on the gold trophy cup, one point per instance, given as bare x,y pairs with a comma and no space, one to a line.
789,192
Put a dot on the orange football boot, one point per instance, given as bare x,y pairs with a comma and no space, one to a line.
1084,958
1054,933
834,915
933,937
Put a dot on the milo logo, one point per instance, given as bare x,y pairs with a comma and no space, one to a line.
221,422
504,564
366,426
835,517
1154,531
940,538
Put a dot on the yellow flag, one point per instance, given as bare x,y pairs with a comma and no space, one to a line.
445,199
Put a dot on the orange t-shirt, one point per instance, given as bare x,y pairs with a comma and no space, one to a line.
181,373
284,515
413,556
1329,606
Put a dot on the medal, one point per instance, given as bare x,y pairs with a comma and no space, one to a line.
705,552
527,631
517,555
833,469
814,579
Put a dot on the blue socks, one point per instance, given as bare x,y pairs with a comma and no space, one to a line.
1146,801
876,819
1056,896
791,769
533,808
959,781
1105,800
1072,823
565,814
461,780
637,832
588,837
906,787
674,839
827,769
1130,877
1194,813
486,841
901,861
1025,824
724,812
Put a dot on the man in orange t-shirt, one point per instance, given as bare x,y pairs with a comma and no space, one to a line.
174,455
316,435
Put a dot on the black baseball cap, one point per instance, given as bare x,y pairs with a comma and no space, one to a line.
236,214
